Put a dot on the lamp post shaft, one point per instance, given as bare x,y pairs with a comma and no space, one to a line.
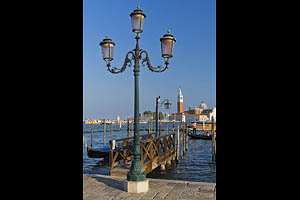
136,172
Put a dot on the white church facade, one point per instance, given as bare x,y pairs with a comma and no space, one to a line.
201,114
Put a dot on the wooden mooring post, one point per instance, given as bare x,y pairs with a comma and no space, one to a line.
181,149
159,127
167,128
128,128
111,130
213,140
131,130
104,131
92,135
173,126
183,139
186,137
177,146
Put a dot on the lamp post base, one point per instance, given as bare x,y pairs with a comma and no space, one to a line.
136,186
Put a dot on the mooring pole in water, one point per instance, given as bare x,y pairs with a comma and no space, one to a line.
177,146
128,128
159,127
92,135
183,134
186,137
181,150
173,126
167,128
104,131
111,130
131,129
213,139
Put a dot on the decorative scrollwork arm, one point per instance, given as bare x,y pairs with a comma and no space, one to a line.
153,69
127,61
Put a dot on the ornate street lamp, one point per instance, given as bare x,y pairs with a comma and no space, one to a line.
167,106
167,42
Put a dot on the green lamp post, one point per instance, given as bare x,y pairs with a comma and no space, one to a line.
167,106
167,42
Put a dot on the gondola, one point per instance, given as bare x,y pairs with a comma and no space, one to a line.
200,136
101,152
98,152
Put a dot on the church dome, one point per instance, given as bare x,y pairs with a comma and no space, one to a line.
203,105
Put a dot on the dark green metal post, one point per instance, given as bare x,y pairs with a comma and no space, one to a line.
136,172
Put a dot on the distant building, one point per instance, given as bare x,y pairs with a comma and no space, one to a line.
202,114
179,102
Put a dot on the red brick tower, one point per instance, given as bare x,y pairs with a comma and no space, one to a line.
180,102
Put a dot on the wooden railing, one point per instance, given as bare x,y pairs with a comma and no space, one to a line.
121,152
154,151
158,150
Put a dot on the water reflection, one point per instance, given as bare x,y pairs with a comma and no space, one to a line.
196,164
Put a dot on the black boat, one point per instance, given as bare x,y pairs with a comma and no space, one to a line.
98,152
102,152
200,136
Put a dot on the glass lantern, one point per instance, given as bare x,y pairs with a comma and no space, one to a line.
107,46
137,20
167,44
167,105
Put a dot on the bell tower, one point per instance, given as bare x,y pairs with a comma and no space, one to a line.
180,102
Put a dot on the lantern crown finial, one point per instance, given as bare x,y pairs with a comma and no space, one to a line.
169,31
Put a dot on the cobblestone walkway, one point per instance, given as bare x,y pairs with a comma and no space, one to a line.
109,188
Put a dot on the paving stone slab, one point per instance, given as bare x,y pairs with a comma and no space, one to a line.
109,188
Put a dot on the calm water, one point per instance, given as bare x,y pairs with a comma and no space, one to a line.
196,164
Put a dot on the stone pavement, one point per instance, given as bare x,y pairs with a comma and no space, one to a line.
111,188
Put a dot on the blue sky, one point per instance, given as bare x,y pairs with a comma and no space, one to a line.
193,66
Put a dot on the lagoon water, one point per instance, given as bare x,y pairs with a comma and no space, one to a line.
196,164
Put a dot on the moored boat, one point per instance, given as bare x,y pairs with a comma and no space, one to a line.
200,136
203,135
